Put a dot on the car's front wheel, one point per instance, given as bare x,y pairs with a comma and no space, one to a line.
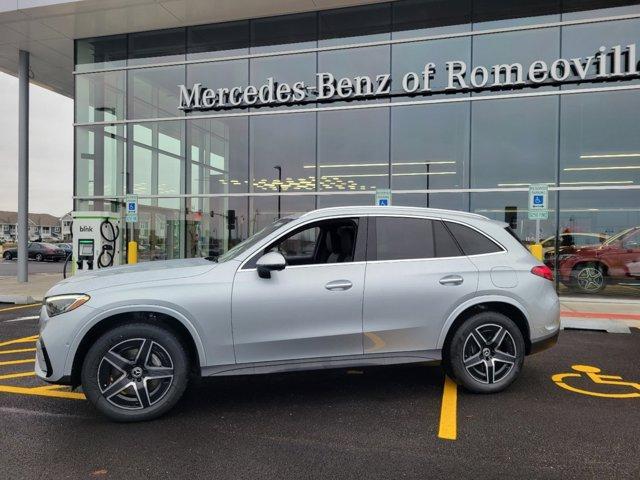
486,353
39,257
8,256
135,372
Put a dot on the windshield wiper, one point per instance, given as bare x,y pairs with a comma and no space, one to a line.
212,258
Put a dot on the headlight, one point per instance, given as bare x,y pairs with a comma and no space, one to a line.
64,303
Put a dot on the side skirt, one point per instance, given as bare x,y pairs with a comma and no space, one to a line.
368,360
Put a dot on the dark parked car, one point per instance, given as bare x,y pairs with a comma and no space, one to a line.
39,252
66,247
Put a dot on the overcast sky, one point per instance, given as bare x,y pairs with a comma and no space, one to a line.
51,149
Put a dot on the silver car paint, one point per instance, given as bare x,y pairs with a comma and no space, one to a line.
306,325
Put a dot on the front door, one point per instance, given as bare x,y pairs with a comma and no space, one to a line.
416,276
312,308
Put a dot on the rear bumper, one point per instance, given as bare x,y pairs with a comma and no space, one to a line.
544,343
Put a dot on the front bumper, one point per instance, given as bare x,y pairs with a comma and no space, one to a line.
54,355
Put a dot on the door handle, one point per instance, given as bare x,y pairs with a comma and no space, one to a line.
339,285
451,280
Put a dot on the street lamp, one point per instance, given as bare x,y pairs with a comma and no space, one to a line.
279,169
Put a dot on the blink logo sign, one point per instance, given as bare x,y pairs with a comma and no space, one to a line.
606,63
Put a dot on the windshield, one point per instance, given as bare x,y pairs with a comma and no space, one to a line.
618,236
253,240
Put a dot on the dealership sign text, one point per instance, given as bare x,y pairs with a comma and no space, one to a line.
615,62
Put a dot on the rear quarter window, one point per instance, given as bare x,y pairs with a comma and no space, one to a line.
471,241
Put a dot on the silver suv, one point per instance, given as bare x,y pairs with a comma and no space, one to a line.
331,288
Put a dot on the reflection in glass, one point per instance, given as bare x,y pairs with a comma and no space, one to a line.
160,230
101,52
157,161
267,210
584,40
218,75
353,150
218,40
100,161
287,69
153,92
218,153
157,46
609,267
215,225
512,208
514,142
524,48
600,142
283,149
414,56
429,146
100,97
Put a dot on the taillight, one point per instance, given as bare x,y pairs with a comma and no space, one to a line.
543,271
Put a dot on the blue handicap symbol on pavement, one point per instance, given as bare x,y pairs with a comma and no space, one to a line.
538,199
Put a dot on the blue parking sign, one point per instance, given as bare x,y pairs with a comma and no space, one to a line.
538,199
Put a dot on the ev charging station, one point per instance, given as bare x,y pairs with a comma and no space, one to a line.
97,242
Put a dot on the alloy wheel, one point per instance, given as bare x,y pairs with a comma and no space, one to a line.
135,374
590,279
489,353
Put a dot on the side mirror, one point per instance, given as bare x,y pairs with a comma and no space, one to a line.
269,262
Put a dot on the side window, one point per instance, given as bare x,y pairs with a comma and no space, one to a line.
401,238
445,244
471,241
632,241
327,241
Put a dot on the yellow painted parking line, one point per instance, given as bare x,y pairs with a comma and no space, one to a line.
448,410
30,339
18,350
18,362
43,393
17,375
18,307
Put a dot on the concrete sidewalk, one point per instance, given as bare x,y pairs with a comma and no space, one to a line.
22,293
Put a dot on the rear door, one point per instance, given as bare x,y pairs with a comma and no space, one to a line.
416,276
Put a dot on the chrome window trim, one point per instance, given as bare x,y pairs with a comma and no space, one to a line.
349,46
480,98
374,215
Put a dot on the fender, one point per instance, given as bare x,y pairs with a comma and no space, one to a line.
111,310
476,301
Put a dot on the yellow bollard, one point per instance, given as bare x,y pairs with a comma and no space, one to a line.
132,252
536,250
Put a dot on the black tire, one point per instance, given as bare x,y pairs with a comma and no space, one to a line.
129,404
492,346
588,278
39,257
7,256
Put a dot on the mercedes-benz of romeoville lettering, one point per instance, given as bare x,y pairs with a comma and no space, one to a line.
331,288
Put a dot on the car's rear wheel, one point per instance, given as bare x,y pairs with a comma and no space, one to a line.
8,256
486,353
135,372
588,278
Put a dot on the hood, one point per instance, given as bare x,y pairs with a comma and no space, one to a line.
87,281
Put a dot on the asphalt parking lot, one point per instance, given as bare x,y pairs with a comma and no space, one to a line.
9,268
383,422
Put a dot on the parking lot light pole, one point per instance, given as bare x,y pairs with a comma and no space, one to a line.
23,165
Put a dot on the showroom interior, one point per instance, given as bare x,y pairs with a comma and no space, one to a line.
207,178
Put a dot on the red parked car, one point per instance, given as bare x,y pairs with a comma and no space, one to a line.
616,261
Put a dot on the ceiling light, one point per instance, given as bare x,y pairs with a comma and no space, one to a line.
622,167
612,155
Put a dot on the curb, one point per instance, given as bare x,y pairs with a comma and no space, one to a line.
18,299
595,324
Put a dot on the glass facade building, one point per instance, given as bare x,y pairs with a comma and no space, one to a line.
209,177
